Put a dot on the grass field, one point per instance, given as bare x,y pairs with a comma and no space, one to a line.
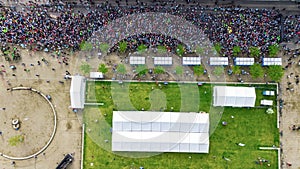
253,127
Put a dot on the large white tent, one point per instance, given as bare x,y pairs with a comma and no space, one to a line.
234,96
77,92
160,131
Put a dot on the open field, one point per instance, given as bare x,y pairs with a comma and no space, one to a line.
253,127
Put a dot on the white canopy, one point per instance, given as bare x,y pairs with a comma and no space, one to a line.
160,131
234,96
218,61
137,60
77,92
191,61
244,61
96,75
272,61
162,60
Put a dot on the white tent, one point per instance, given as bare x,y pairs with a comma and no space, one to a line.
244,61
160,131
191,61
272,61
96,75
163,61
234,96
218,61
137,60
77,92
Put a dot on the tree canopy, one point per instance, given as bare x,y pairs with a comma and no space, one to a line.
85,68
254,51
199,50
121,69
104,47
218,47
141,70
180,50
275,72
179,70
218,71
198,70
159,70
161,49
236,50
236,70
141,48
85,46
102,68
122,46
256,71
273,50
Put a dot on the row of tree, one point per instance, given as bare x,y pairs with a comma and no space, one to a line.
274,72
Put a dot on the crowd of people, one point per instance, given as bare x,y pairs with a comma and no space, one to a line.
37,27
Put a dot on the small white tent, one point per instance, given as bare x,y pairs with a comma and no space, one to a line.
234,96
77,92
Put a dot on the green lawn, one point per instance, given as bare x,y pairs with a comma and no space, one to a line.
253,127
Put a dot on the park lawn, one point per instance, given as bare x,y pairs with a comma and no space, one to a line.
252,127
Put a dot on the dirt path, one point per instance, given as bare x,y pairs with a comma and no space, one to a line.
290,115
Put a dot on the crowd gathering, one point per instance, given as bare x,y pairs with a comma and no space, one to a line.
41,27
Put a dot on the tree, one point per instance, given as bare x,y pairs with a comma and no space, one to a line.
198,70
218,71
236,50
256,71
273,50
122,46
141,70
141,48
199,50
180,50
275,72
85,68
218,47
179,70
236,70
104,47
121,69
86,46
254,51
161,49
102,68
159,70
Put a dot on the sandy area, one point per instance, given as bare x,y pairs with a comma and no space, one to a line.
35,114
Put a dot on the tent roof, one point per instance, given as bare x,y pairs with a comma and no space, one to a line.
235,91
144,131
137,60
218,61
272,61
191,61
171,117
162,60
77,91
234,96
244,61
